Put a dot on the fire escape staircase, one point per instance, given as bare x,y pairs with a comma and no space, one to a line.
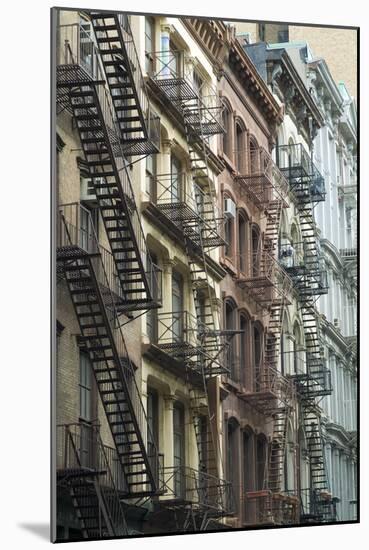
315,382
97,316
125,80
99,137
92,488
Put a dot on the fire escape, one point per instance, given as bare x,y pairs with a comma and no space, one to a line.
271,394
189,205
103,283
310,281
82,91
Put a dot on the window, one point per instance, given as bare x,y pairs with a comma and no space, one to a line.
87,52
230,324
150,177
197,84
227,135
255,241
240,153
254,157
152,314
176,179
179,450
177,306
228,228
149,44
243,348
248,470
88,228
85,387
242,241
257,356
261,462
232,457
152,427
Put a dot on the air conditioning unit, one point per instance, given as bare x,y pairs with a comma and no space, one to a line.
229,208
87,190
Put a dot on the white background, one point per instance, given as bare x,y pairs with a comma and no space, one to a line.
24,231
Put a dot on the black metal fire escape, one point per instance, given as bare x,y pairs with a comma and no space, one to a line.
201,233
85,267
310,281
101,284
263,279
82,91
139,127
91,481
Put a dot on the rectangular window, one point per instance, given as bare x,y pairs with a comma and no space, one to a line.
85,387
150,177
152,428
177,306
179,450
149,44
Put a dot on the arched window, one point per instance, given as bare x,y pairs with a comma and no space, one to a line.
289,462
248,472
240,147
298,350
233,457
227,135
255,244
229,225
244,350
261,462
304,472
257,352
242,241
254,156
230,324
285,356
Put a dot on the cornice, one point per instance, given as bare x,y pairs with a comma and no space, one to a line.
255,85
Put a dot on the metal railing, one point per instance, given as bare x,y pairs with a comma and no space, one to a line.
80,449
348,253
295,163
203,491
197,347
71,34
188,206
173,71
152,121
264,507
71,231
269,380
259,177
317,505
312,277
71,234
261,266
